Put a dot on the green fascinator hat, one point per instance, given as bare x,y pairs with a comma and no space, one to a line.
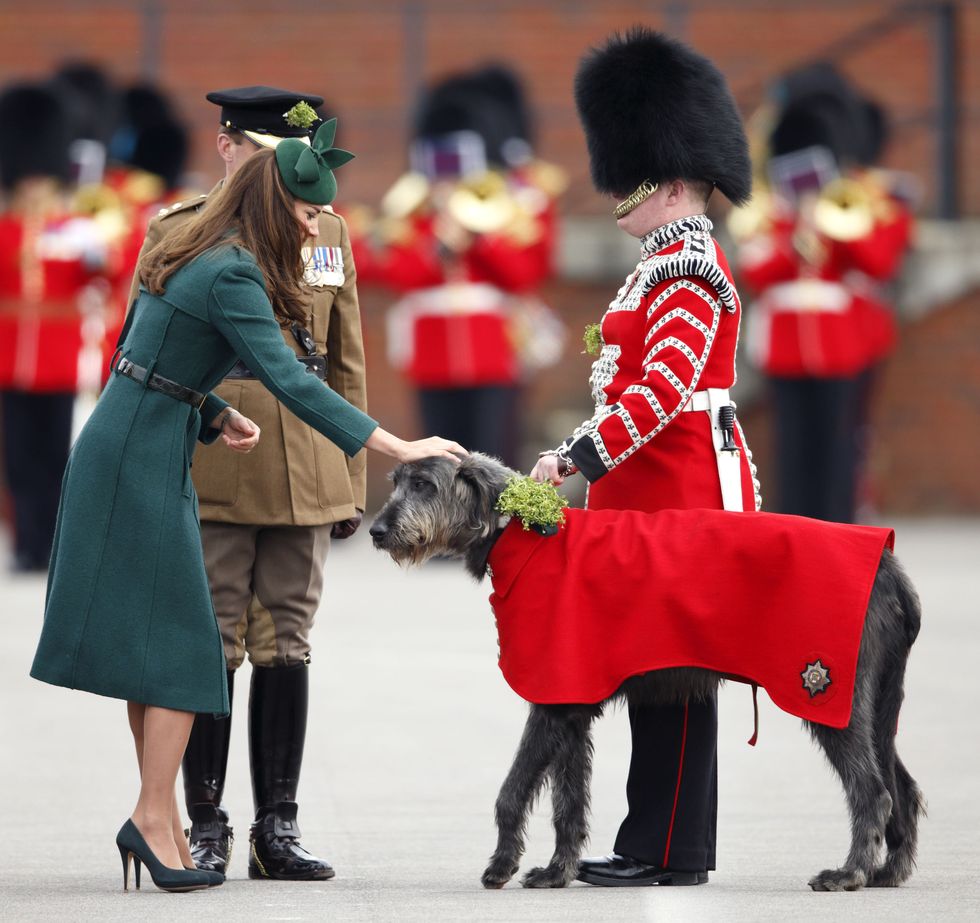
307,170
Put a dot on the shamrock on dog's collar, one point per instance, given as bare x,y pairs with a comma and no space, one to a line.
539,506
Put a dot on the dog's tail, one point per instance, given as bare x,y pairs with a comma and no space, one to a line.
908,805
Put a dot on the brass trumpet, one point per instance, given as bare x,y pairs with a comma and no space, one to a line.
844,210
482,204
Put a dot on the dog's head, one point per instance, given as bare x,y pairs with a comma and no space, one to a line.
439,507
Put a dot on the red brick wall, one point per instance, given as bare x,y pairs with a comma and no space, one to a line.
368,59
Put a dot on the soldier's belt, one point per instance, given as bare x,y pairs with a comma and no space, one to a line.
159,383
721,411
316,365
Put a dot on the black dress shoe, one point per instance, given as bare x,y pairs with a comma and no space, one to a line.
622,871
210,838
276,851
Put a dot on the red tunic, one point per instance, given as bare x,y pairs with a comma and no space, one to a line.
828,320
42,280
615,594
453,327
671,331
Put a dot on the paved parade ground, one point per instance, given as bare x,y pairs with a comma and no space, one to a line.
411,731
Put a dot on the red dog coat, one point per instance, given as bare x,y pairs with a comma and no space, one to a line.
768,599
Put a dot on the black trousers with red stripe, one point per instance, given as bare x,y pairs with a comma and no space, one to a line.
672,789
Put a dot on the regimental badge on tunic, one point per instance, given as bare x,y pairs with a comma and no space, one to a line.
324,266
816,678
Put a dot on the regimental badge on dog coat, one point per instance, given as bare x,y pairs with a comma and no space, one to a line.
775,600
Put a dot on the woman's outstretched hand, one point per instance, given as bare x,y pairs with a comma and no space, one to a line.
386,443
426,448
239,433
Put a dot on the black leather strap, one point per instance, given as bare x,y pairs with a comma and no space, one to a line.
317,365
159,383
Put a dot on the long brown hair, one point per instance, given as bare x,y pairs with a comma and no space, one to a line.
254,210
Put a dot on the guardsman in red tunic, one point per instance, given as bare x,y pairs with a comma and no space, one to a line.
469,237
663,132
51,272
826,241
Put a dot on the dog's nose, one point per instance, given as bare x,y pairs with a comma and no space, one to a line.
378,530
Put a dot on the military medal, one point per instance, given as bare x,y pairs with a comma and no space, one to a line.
324,266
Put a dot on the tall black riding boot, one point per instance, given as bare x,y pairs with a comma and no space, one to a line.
276,736
205,764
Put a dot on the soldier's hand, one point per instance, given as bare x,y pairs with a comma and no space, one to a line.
347,527
239,433
547,469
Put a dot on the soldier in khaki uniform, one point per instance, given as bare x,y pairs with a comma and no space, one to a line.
267,519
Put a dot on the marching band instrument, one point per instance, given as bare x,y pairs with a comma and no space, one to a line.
844,210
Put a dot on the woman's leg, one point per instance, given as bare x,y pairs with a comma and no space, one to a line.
164,737
137,713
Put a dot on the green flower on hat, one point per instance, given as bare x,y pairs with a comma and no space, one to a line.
307,170
302,115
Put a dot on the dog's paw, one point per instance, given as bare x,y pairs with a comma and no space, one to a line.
839,880
552,876
497,874
885,877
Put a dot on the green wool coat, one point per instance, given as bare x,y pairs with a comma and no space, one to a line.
128,611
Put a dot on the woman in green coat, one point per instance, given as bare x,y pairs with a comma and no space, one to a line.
128,611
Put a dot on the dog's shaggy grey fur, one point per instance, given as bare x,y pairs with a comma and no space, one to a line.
439,508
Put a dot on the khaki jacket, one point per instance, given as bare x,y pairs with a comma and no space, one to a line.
294,476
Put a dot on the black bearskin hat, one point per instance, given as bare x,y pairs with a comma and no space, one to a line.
821,108
488,101
654,109
91,100
149,137
33,135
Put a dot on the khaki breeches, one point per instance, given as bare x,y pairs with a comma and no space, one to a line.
266,583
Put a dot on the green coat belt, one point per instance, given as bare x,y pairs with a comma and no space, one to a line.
128,610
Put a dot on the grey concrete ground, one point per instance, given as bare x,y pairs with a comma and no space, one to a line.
412,729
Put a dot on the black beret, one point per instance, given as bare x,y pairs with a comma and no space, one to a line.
261,112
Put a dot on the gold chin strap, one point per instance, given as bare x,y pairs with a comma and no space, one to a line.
637,196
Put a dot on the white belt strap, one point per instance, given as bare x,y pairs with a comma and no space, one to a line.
729,463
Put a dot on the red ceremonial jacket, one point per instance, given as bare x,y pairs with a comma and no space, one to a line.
453,327
44,273
671,331
825,321
615,594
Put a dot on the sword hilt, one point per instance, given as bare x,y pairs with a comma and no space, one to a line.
726,420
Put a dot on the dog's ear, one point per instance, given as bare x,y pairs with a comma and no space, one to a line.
482,479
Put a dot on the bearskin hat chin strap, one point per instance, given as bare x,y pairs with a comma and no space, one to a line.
636,197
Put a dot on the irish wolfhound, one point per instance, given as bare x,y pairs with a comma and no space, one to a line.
438,508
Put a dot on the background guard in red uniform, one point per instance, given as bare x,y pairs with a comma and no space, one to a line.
466,238
53,266
817,251
663,132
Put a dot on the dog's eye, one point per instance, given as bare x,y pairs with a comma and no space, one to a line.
420,485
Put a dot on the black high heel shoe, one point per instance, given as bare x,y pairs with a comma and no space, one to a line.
132,846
